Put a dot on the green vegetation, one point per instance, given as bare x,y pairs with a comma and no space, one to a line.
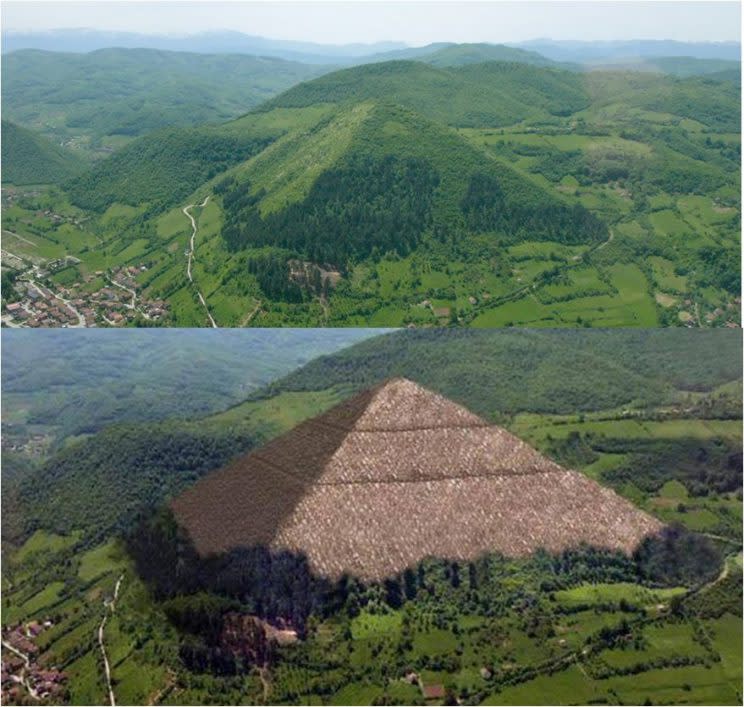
478,95
548,372
124,471
161,169
369,205
461,54
29,158
98,101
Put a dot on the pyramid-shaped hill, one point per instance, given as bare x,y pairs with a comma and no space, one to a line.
397,474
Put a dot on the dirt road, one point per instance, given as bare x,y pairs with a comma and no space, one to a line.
109,607
187,212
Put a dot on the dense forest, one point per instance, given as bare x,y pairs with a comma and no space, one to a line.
486,209
130,92
29,158
162,168
364,207
100,485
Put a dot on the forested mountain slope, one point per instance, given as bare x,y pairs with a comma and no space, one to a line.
29,158
483,94
551,372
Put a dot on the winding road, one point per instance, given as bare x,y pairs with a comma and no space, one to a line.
133,303
187,213
109,606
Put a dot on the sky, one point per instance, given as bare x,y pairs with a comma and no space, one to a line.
415,23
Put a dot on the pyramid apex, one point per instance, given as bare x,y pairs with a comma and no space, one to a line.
399,403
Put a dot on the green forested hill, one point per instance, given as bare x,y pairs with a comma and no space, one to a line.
161,168
29,158
401,176
451,54
460,54
477,95
552,372
100,485
116,93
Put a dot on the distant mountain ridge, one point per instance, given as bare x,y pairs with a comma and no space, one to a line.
591,51
213,42
219,42
128,92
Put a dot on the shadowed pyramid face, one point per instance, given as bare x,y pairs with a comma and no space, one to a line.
394,475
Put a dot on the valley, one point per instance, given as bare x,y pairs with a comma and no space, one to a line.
536,196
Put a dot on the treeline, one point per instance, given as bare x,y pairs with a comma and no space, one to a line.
369,204
198,593
486,208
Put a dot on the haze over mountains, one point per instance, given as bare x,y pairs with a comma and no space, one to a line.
229,42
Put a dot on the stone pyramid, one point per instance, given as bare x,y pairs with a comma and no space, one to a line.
396,474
